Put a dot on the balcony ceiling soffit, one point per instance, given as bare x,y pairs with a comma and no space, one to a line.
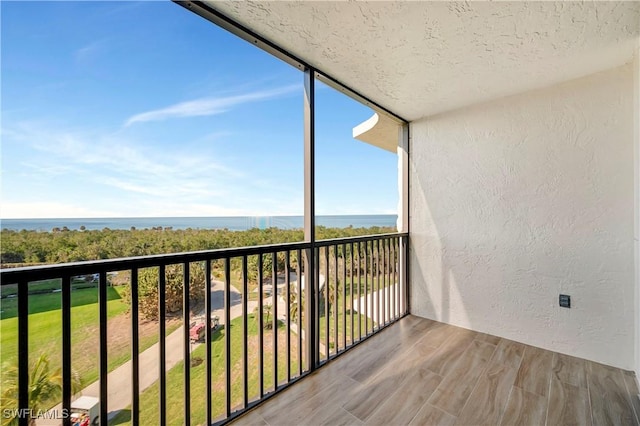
422,58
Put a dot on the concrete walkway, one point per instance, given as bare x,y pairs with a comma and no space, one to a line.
370,301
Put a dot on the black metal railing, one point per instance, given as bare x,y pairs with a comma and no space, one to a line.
260,309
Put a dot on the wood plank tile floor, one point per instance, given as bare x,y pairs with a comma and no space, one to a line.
422,372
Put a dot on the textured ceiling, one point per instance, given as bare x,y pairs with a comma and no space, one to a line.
422,58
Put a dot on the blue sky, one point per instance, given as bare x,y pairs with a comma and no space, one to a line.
124,109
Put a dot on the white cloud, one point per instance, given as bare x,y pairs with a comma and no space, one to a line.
86,53
209,106
125,165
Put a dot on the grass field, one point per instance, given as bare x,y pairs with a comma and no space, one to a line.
35,286
53,301
45,323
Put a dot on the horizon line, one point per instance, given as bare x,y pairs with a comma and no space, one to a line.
193,217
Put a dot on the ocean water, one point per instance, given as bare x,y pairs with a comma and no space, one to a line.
238,223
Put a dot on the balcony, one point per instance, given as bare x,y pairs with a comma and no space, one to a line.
271,316
517,133
423,372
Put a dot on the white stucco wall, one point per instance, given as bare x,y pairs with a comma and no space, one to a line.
518,200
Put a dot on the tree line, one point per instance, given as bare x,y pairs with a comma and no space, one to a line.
64,245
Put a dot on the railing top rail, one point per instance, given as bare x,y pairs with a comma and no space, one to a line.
41,272
332,241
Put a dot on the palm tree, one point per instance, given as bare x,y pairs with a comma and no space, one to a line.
330,294
267,312
44,387
293,306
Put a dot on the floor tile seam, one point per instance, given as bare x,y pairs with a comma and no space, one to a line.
397,389
620,373
506,404
459,356
546,417
483,373
587,383
630,396
291,389
444,377
548,374
406,353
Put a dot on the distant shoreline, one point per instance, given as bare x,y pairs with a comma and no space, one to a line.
235,223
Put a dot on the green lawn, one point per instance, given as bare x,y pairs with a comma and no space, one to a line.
175,384
39,303
45,327
35,286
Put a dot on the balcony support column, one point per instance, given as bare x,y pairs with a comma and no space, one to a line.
311,346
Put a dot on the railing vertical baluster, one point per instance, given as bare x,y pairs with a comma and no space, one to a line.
287,283
397,277
387,294
135,351
245,333
393,278
384,281
381,295
359,291
380,279
315,313
327,282
372,285
66,348
102,302
405,278
396,282
379,291
388,287
351,290
385,278
274,312
162,344
227,334
344,296
23,350
299,317
366,288
400,275
335,299
375,278
260,328
186,342
207,339
380,283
